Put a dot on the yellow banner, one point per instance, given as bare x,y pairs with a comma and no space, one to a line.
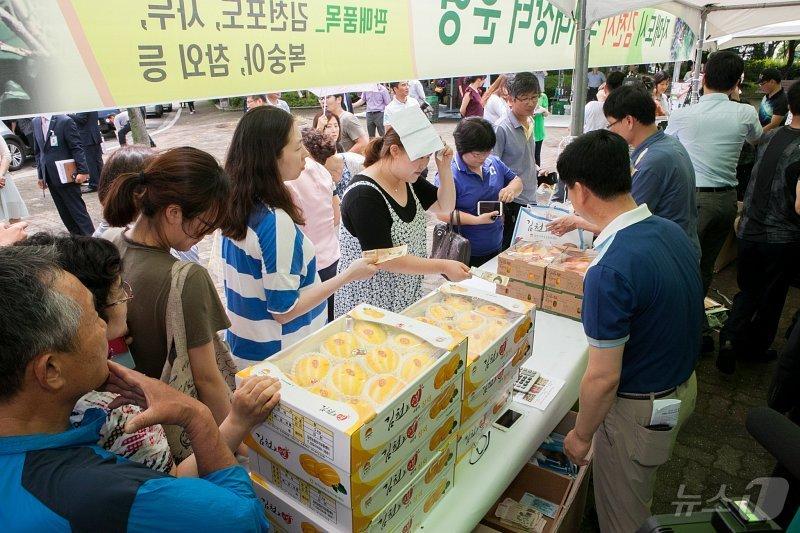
73,55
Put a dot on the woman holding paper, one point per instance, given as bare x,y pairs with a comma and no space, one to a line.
384,207
274,294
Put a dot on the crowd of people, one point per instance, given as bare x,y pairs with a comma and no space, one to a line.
113,372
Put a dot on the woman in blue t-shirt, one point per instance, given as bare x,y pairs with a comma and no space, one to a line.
274,295
480,176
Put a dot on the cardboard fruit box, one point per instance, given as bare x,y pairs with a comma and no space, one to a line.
489,390
376,482
495,325
289,506
566,273
527,261
473,429
522,290
350,388
562,303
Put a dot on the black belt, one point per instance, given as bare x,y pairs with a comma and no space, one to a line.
715,189
646,396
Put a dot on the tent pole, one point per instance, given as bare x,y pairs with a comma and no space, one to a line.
579,75
699,57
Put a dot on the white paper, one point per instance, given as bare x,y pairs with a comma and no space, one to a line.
665,412
62,172
541,394
417,133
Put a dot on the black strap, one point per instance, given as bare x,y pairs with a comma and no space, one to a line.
455,221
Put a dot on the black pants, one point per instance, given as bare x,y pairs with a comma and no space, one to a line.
71,208
591,93
94,160
765,272
325,274
191,106
538,153
479,260
121,134
510,213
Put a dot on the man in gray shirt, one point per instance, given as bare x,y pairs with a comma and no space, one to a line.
516,146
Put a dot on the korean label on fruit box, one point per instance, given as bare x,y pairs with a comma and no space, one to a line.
303,430
305,493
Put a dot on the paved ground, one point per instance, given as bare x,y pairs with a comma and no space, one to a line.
714,451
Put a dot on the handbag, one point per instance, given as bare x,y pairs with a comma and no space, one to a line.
448,243
178,373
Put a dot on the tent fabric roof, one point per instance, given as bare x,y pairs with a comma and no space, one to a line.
719,23
781,31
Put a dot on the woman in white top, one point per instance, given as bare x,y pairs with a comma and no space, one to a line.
12,207
497,102
660,96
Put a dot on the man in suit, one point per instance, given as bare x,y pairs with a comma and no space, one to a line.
56,138
89,129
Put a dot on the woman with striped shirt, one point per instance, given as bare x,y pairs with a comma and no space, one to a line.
274,295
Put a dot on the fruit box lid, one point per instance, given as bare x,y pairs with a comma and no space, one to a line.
316,382
506,302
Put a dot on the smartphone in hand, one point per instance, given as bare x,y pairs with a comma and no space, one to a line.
490,207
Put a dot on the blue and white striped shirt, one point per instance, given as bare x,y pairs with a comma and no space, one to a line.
265,274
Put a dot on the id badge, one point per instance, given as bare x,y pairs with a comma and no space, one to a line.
54,141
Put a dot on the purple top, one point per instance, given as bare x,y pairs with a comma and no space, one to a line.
377,100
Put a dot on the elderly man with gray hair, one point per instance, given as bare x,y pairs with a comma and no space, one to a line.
53,476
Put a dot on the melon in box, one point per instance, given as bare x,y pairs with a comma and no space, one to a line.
495,325
351,387
377,481
282,503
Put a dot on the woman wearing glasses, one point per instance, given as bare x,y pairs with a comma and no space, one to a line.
179,198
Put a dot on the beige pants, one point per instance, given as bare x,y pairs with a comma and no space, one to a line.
627,457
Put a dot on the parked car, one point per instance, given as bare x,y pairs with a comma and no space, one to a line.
20,152
156,110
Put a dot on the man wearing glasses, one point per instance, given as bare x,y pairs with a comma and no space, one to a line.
516,146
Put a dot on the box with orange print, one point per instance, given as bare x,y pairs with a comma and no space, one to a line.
495,326
293,506
566,273
349,390
368,487
527,261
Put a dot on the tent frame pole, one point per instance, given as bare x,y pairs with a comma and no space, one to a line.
580,74
699,57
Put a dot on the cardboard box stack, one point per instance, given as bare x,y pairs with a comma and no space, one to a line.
563,285
526,264
499,332
366,430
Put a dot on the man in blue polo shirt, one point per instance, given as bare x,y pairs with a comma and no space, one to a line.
663,175
53,475
642,315
480,176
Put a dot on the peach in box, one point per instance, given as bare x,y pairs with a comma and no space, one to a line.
527,261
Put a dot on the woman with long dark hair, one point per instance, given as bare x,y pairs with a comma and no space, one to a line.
180,197
274,295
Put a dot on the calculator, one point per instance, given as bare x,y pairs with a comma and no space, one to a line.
525,380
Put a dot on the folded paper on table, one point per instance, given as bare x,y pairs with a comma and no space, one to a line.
66,170
415,130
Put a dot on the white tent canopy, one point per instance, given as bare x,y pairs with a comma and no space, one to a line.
724,18
708,20
782,31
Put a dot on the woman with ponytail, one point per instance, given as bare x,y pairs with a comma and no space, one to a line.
180,197
274,294
385,207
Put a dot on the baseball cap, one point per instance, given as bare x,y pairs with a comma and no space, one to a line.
770,74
